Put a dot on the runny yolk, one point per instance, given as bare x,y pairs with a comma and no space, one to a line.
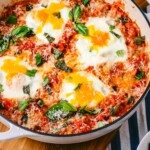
49,15
85,93
13,67
98,37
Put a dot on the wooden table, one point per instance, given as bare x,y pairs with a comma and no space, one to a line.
28,144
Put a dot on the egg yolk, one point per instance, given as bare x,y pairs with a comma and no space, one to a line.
49,15
84,92
12,67
98,37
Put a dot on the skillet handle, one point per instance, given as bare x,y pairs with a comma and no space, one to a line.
13,132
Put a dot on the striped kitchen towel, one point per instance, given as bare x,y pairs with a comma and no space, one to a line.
133,130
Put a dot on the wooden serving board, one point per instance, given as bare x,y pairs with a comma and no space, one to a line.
28,144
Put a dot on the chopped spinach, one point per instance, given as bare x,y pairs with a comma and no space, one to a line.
114,109
29,7
39,60
40,102
31,73
131,100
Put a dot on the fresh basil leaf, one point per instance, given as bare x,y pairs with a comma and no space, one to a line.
131,100
62,66
22,105
4,44
45,81
31,73
115,34
39,60
40,102
57,15
81,28
1,88
49,38
140,75
11,19
122,19
60,111
91,112
101,124
120,53
71,14
29,7
78,86
111,27
75,13
114,109
139,40
58,54
85,2
26,89
20,31
24,118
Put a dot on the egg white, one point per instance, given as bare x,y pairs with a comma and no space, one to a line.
48,28
106,54
97,85
13,89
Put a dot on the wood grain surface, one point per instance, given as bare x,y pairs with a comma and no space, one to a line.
28,144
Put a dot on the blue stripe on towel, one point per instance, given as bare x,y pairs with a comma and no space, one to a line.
147,105
134,134
115,144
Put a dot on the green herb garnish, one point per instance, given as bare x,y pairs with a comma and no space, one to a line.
24,118
20,31
60,111
39,60
1,88
40,102
45,81
62,66
85,2
115,34
81,28
78,86
11,19
75,13
22,105
26,89
29,7
58,54
120,53
101,124
83,110
49,38
139,40
111,27
31,73
139,75
57,15
114,109
131,100
4,44
122,19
